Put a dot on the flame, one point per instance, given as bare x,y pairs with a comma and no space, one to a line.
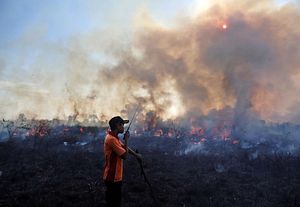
196,130
235,141
158,133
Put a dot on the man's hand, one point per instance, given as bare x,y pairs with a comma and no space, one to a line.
126,135
137,155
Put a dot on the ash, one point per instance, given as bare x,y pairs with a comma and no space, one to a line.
63,166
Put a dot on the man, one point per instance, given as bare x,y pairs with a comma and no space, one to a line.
114,153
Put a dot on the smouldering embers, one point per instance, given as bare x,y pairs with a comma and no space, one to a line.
205,134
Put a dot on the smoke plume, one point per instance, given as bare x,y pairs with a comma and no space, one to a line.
242,55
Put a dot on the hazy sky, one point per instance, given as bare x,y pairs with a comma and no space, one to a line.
33,30
45,22
35,35
59,20
62,19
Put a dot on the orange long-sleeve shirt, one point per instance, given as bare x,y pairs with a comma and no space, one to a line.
113,149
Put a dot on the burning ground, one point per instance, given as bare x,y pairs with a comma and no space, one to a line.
61,165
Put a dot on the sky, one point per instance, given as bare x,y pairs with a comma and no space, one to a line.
30,27
37,37
27,25
63,19
59,20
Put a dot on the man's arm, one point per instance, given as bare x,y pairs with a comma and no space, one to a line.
129,150
126,137
136,155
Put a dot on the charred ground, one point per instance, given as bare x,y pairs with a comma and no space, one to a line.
55,174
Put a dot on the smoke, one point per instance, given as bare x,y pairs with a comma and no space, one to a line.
190,69
251,65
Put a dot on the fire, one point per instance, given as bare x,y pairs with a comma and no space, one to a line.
196,130
235,142
203,140
158,133
41,130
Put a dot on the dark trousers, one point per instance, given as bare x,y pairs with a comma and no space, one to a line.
113,194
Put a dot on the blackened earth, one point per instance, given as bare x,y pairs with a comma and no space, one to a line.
53,174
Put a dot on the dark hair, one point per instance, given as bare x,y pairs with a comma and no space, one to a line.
113,123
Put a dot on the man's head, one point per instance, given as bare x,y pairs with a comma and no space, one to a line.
117,124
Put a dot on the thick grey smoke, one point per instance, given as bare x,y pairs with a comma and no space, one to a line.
239,55
251,65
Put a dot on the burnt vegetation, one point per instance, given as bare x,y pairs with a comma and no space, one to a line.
62,166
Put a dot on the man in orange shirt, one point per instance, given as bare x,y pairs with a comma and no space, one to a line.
115,152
